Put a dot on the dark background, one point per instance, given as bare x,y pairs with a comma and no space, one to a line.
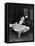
13,13
16,11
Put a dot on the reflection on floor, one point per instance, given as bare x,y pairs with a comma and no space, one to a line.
24,36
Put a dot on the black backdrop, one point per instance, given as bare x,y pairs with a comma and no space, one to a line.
16,11
13,12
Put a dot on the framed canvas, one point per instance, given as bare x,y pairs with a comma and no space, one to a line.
19,22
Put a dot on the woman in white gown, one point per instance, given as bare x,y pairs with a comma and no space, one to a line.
19,27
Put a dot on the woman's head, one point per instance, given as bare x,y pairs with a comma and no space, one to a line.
22,18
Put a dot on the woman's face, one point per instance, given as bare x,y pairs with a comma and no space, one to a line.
22,18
